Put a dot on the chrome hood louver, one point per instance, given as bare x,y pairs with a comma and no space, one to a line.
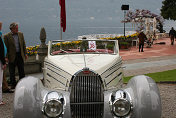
86,97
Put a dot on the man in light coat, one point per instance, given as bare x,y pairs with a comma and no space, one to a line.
16,52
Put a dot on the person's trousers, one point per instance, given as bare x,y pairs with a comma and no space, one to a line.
172,40
1,79
20,65
141,46
4,83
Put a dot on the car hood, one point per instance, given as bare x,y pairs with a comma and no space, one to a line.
75,62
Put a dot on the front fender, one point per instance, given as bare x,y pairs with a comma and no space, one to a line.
145,97
29,97
27,100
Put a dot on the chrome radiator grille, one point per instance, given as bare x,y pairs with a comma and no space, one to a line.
86,98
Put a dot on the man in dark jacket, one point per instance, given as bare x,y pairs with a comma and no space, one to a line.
172,35
142,37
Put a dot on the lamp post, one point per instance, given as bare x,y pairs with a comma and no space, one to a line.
124,8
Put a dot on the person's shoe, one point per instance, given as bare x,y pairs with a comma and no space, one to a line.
13,87
2,103
142,51
8,91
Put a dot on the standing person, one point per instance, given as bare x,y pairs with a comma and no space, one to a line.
16,52
2,67
5,87
142,37
154,36
172,35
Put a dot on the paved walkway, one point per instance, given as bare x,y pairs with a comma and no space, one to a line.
157,50
150,64
155,59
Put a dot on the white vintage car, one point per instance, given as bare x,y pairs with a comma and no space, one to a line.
84,79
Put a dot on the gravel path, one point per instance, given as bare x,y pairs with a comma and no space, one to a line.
168,100
6,110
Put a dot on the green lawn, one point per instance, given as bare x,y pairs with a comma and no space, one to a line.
159,76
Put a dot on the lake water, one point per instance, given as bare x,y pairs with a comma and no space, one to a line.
83,17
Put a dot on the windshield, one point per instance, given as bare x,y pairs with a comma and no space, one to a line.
83,46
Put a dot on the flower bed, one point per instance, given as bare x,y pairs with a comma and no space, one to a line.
132,37
124,42
32,50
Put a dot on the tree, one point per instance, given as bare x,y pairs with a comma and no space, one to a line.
168,9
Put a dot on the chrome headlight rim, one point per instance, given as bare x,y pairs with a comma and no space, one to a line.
127,111
55,115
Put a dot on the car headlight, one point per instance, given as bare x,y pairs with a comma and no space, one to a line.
53,104
53,108
121,107
120,103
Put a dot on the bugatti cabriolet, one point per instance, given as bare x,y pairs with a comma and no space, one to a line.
84,79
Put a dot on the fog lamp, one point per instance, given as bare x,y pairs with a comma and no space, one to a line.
121,107
53,108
